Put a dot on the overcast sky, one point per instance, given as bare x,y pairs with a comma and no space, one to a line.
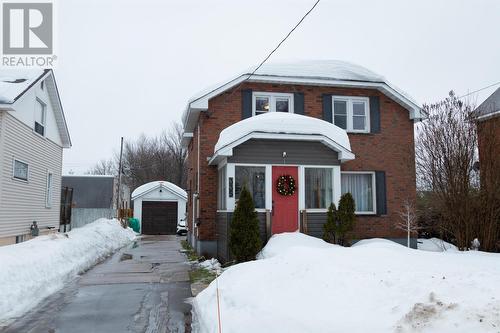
128,67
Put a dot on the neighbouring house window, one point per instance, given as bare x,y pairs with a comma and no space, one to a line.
351,113
40,115
362,188
318,187
254,179
221,193
272,102
48,191
20,170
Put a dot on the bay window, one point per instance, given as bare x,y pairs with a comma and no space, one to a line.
254,179
318,187
272,102
361,185
351,113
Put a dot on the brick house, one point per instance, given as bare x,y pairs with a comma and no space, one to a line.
488,130
332,126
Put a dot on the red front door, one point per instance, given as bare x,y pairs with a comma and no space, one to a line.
285,207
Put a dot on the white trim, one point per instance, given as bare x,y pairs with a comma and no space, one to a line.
272,101
374,190
14,159
49,190
350,113
489,115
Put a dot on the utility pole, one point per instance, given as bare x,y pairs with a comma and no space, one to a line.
119,179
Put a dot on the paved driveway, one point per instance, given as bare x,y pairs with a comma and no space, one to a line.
139,289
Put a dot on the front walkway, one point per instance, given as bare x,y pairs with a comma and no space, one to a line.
139,289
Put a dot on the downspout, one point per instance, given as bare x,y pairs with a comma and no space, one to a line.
197,178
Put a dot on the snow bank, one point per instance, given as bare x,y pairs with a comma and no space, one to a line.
212,265
435,245
33,270
376,286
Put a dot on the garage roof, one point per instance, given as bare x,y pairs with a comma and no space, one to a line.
148,187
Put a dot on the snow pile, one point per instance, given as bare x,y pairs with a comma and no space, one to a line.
284,123
33,270
435,245
213,265
302,284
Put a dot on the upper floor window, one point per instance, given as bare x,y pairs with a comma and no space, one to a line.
20,170
40,116
351,113
272,102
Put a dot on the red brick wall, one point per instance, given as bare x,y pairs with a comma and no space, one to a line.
391,150
488,132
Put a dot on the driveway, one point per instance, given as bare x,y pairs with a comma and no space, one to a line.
141,288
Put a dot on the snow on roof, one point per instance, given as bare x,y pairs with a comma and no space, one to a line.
284,123
13,82
146,188
490,106
312,72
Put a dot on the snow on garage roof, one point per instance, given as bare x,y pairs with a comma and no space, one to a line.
14,82
148,187
283,126
312,72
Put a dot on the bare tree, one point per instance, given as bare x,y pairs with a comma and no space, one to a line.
104,167
408,222
446,149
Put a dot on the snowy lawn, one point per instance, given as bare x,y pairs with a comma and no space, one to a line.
302,284
33,270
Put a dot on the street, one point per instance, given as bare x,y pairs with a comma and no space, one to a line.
141,288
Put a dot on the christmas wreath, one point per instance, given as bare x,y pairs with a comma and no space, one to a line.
285,185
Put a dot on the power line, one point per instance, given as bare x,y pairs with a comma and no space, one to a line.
478,90
279,44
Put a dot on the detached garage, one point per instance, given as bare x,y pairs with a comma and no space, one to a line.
159,206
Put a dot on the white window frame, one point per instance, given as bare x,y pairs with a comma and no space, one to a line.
374,187
349,101
14,160
49,189
44,118
303,178
268,181
272,101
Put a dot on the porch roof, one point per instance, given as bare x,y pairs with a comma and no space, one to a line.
282,126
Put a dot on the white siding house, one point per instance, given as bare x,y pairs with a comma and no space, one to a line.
33,133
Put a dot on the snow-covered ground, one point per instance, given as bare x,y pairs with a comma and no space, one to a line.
33,270
435,245
302,284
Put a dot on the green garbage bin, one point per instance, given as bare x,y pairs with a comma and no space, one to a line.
134,224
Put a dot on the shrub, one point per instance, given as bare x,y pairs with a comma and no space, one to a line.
346,218
330,226
244,241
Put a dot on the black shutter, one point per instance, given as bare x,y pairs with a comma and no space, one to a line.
327,108
381,192
374,114
298,103
246,103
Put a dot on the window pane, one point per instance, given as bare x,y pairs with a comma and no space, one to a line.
282,104
261,104
254,178
340,114
340,121
358,123
361,188
318,187
20,170
358,108
39,113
